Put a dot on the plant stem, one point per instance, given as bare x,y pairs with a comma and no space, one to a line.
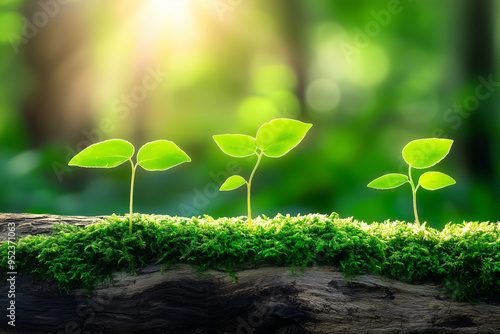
134,167
249,186
414,192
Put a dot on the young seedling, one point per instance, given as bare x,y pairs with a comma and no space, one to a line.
153,156
274,139
419,154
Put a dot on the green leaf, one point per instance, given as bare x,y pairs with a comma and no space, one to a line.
232,182
423,153
279,136
239,146
161,155
435,180
388,181
105,154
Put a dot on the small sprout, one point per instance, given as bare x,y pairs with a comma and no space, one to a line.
153,156
419,154
232,182
274,139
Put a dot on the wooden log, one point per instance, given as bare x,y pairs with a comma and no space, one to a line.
33,224
264,300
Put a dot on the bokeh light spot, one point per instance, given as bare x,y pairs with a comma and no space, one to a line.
323,95
370,67
330,60
24,163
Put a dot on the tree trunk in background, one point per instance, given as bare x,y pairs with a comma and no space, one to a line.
264,300
295,36
58,57
478,61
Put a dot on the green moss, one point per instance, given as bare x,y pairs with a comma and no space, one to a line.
465,258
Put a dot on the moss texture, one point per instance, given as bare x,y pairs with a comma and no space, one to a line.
464,258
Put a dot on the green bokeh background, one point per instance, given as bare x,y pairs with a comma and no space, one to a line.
370,75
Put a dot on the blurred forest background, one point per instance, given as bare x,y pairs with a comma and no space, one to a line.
370,75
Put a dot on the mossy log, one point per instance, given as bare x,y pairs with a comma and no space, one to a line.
264,300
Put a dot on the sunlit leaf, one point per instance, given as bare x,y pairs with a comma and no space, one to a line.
161,155
232,182
279,136
423,153
105,154
388,181
236,145
435,180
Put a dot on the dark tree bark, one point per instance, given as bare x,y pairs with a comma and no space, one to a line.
264,300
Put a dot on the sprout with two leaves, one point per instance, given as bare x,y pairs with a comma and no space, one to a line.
419,154
274,139
153,156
